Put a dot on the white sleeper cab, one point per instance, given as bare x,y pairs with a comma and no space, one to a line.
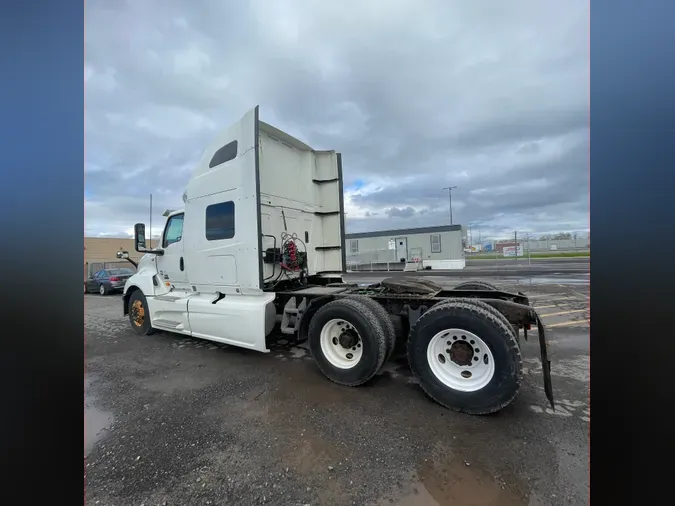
258,253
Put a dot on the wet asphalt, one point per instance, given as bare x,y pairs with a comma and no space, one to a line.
173,420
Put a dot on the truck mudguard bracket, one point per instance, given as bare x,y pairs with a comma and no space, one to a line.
515,313
545,363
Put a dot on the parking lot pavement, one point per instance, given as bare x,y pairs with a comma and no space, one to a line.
173,420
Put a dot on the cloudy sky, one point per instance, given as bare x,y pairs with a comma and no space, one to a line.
417,94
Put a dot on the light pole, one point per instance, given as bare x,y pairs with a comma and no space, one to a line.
450,188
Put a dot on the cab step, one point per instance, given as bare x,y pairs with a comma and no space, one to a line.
167,324
290,320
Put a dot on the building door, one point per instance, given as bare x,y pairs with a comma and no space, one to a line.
402,249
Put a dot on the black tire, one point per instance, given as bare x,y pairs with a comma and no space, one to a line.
102,289
492,310
384,317
145,327
475,285
373,338
492,327
484,285
497,314
85,288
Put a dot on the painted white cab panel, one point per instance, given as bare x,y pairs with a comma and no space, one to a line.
238,320
300,193
232,264
170,312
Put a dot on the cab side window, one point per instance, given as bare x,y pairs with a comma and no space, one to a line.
173,231
220,221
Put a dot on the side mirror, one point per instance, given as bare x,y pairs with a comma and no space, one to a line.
125,256
139,243
139,237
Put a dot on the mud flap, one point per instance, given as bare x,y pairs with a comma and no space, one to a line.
545,362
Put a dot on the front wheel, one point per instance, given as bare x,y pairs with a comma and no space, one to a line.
139,316
466,357
102,290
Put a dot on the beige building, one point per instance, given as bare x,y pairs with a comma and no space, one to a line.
100,252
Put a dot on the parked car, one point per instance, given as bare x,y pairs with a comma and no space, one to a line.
107,281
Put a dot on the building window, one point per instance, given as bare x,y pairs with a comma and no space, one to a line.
436,243
225,154
173,231
220,221
354,246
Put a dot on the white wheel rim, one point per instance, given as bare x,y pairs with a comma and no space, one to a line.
101,290
335,336
448,354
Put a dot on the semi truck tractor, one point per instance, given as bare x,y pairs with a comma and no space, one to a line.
258,252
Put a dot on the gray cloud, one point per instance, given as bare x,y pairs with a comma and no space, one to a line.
416,97
395,212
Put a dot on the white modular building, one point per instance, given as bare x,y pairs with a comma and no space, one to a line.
439,247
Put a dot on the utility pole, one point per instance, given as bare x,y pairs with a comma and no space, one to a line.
529,258
150,236
516,241
450,188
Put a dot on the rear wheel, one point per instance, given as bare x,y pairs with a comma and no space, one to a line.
384,318
348,341
484,285
476,285
102,290
139,316
466,357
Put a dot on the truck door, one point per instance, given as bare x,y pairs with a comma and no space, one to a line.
171,265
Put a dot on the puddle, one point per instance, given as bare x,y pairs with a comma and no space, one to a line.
96,421
95,424
439,484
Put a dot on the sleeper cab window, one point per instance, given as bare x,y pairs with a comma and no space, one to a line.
225,154
220,221
173,231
